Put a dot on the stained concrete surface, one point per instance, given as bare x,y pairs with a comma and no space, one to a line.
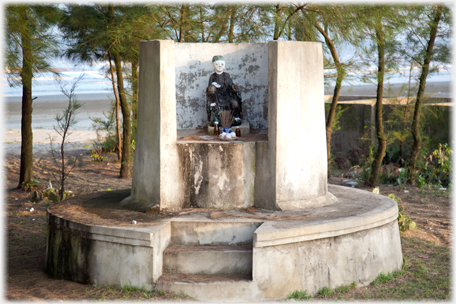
352,240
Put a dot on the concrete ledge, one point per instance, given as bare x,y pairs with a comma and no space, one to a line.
137,236
382,212
139,205
318,201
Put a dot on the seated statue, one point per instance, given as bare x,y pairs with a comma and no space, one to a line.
222,94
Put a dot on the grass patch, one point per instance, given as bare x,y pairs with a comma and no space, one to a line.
299,295
425,275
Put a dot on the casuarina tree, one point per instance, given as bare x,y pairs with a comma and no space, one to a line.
427,40
30,43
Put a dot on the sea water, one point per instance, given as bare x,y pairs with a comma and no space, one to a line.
93,91
94,84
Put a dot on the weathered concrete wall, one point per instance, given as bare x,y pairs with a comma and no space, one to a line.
104,256
120,264
247,64
330,262
218,175
67,253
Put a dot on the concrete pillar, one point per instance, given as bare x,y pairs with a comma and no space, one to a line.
157,179
293,174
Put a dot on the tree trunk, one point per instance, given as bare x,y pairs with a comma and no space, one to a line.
134,88
377,163
232,19
125,168
202,22
340,77
404,119
277,22
119,140
26,170
417,141
223,27
181,25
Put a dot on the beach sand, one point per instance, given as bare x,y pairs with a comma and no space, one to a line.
45,109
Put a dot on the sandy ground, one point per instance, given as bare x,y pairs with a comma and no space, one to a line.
77,140
45,109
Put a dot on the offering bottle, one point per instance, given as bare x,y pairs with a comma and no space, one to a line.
238,132
216,129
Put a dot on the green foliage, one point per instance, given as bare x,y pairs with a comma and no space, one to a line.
29,186
420,181
383,278
52,195
394,178
366,163
324,292
402,176
436,168
392,154
442,156
337,115
299,295
107,127
96,151
403,220
36,22
344,288
327,292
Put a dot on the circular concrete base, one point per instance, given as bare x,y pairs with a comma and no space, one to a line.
233,255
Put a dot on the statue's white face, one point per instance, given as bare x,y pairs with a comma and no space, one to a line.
219,66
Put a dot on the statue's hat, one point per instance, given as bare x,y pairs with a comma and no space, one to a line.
217,58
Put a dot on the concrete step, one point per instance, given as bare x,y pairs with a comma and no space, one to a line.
207,259
192,232
227,287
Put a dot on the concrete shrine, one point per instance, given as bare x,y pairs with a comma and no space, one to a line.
221,220
286,172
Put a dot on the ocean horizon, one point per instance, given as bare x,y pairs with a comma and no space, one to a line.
96,86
